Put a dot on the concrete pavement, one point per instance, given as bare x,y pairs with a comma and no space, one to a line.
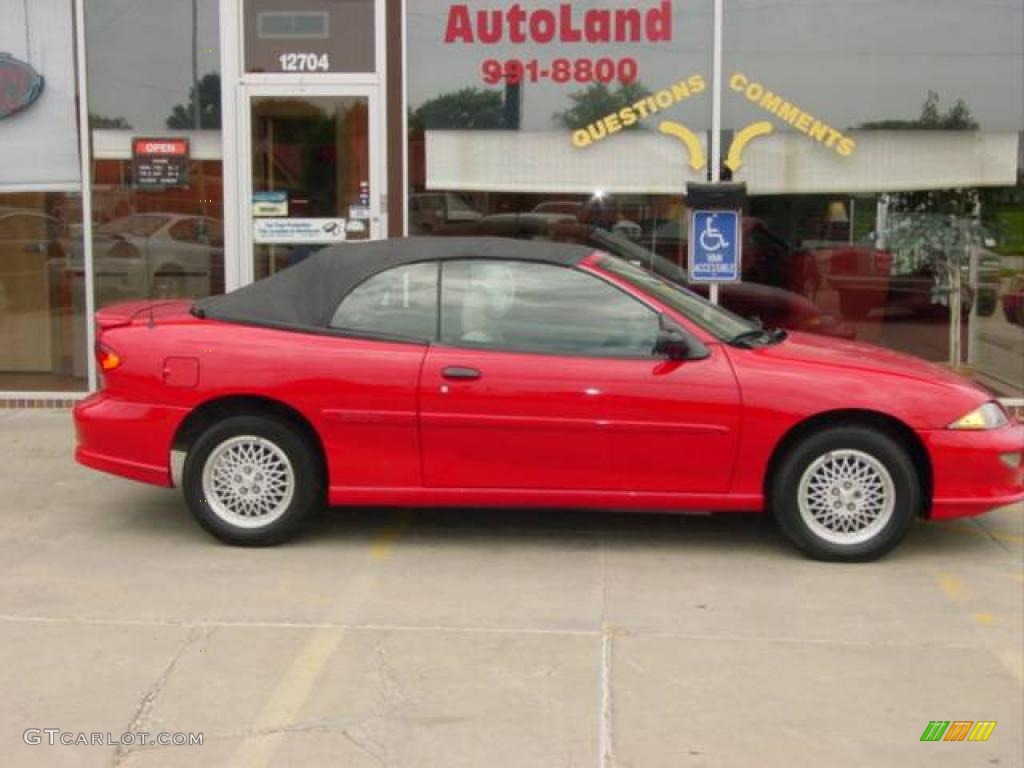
482,638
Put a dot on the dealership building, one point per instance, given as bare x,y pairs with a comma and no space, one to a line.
177,148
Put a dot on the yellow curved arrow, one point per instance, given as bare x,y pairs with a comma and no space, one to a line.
685,135
734,159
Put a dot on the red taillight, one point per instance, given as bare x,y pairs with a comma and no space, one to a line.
107,357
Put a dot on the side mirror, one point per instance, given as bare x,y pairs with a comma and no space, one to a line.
672,344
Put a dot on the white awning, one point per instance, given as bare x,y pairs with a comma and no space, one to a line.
646,162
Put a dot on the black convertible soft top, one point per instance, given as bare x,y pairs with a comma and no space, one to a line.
306,295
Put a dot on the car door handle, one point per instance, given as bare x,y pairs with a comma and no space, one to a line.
455,372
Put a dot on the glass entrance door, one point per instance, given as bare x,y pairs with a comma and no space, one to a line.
313,173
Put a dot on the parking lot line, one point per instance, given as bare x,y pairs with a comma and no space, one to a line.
259,747
956,591
280,711
381,548
952,586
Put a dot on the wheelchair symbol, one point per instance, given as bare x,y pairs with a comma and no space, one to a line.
711,239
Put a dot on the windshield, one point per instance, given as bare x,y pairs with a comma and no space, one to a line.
140,226
720,323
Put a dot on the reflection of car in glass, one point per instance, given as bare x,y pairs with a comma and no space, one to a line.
565,207
439,212
159,255
485,371
1013,301
767,259
912,274
598,211
774,307
28,241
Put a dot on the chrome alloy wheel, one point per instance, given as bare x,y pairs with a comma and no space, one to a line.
248,481
846,497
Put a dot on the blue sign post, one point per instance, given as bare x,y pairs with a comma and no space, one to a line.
715,246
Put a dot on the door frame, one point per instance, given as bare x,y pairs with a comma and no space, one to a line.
236,94
375,137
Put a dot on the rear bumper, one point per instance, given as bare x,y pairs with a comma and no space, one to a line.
971,471
126,438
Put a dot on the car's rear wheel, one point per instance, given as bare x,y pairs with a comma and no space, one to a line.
252,480
847,493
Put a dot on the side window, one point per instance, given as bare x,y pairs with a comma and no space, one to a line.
185,231
527,307
399,302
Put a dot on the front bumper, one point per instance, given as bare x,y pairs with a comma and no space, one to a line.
970,472
126,438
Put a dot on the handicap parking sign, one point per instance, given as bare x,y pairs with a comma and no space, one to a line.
715,246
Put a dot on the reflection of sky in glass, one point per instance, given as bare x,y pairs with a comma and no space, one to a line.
400,301
855,61
436,67
139,56
851,61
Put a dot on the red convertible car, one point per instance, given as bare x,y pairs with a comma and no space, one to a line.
489,372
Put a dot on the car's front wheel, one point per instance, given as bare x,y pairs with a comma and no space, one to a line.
252,480
846,493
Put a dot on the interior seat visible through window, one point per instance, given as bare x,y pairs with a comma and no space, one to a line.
399,302
534,307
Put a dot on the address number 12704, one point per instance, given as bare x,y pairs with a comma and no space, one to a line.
304,62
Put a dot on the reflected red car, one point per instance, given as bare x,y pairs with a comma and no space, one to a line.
1013,301
490,372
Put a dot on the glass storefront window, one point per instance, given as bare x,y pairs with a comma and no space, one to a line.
154,87
886,152
42,293
42,287
882,156
584,111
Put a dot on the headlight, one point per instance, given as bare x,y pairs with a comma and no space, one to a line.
987,416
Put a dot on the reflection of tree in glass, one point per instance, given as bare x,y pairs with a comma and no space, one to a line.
182,117
956,118
306,147
958,202
100,122
465,109
599,101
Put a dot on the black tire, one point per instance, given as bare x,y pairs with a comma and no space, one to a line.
307,493
881,448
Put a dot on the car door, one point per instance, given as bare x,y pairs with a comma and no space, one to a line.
366,384
545,377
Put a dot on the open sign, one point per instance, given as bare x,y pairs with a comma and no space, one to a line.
160,162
